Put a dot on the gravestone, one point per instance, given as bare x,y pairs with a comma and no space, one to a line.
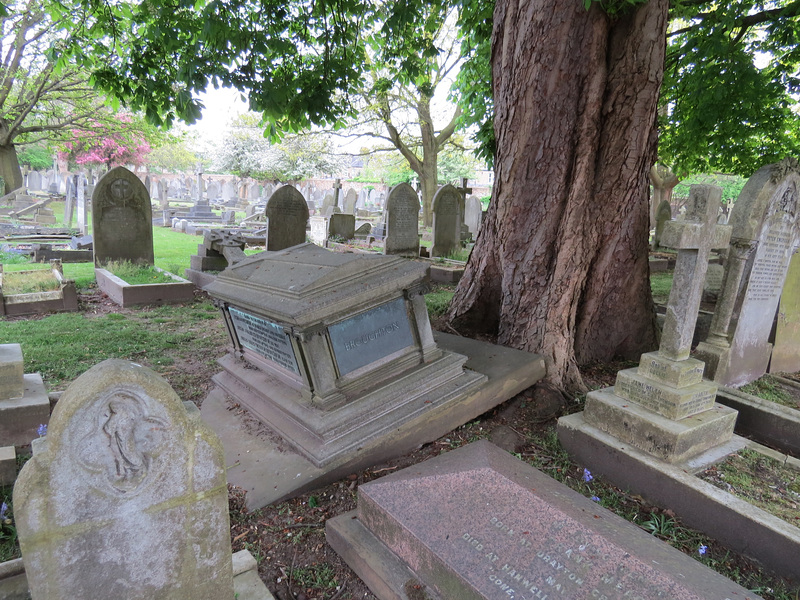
362,199
24,404
473,215
83,216
34,181
328,202
350,200
69,203
446,221
402,221
163,199
765,234
227,191
665,407
477,523
342,226
126,496
212,191
786,351
663,214
287,213
122,219
318,233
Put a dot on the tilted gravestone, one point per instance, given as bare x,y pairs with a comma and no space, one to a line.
446,221
473,215
126,495
402,221
478,523
765,234
287,212
122,219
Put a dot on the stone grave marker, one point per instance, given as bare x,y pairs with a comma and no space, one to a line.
765,234
478,523
122,219
34,181
446,221
328,202
786,351
330,211
319,230
402,221
350,199
473,215
69,203
212,191
24,404
342,226
663,214
126,496
665,407
362,199
288,215
163,199
83,216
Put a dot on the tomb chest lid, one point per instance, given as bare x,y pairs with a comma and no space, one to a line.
306,284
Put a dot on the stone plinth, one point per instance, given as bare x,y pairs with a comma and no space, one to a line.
477,523
11,371
8,465
24,404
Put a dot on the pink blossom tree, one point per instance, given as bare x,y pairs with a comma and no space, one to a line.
125,145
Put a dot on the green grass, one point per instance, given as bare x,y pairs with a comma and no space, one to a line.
21,282
315,576
660,285
768,388
137,274
438,301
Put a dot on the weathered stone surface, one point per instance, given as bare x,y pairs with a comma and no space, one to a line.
665,438
666,400
402,221
126,495
8,465
122,219
11,371
319,230
765,233
447,219
786,351
21,417
343,226
473,215
676,373
287,212
476,523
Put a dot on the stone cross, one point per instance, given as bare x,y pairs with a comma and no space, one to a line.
464,190
694,238
337,185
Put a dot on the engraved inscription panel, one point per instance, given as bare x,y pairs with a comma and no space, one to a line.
264,337
370,336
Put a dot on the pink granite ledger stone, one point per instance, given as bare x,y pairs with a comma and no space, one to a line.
478,523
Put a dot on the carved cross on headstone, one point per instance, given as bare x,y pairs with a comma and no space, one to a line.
337,185
694,238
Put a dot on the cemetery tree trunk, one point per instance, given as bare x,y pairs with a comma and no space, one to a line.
9,167
560,264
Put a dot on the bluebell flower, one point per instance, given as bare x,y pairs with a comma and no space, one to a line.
702,549
3,509
596,498
42,430
587,475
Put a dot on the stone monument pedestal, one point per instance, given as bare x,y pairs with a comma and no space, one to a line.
24,403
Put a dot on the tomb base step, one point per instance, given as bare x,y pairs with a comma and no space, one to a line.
270,470
667,439
732,521
20,417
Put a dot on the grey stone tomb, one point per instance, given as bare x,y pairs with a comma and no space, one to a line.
446,221
402,221
765,234
126,496
288,215
122,219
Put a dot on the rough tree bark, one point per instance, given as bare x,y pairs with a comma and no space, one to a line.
9,167
560,265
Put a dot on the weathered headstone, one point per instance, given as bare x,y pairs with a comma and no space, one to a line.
163,200
288,215
34,181
446,221
350,199
402,221
318,233
665,407
328,202
765,234
478,523
122,219
69,203
212,191
342,226
83,216
473,215
24,404
786,350
126,496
